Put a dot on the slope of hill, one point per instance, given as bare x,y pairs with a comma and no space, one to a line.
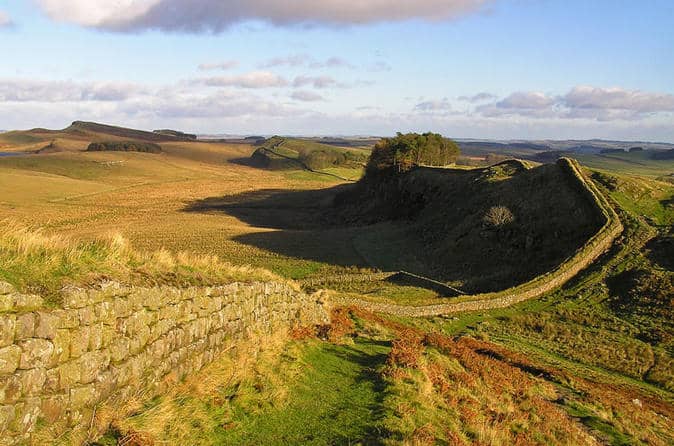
483,229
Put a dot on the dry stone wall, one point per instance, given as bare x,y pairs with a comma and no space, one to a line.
114,341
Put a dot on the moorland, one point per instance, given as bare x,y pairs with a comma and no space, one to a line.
590,362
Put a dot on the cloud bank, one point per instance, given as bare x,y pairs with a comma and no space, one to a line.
582,102
216,15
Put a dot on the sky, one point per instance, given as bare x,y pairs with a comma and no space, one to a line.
489,69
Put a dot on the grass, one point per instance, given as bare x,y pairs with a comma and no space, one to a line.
562,368
35,261
382,381
276,390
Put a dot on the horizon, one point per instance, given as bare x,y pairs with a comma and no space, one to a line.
469,69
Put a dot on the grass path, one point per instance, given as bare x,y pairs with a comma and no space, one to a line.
338,400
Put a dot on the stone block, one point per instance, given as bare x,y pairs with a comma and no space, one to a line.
26,415
75,297
91,364
67,318
104,312
95,337
27,302
54,407
36,353
7,414
25,326
11,389
68,375
108,335
7,329
86,315
47,324
81,397
79,342
32,381
122,307
119,349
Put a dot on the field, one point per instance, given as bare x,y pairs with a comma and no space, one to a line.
590,363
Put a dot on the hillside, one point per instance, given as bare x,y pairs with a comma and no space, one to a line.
467,227
288,153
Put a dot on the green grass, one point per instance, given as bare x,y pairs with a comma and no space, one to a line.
634,163
338,400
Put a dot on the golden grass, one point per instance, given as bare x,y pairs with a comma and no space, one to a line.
184,414
34,260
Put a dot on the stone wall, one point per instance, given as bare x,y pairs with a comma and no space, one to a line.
114,341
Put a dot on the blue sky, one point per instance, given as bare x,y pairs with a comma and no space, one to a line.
521,69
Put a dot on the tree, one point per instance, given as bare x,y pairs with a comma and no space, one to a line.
404,151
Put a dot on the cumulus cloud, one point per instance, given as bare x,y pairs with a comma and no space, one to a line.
582,102
526,100
65,91
5,20
585,97
217,15
479,97
254,79
225,65
307,96
221,104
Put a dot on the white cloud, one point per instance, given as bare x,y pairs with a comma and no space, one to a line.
65,91
225,65
526,100
582,102
216,15
5,20
307,96
479,97
291,61
433,106
254,79
315,81
585,97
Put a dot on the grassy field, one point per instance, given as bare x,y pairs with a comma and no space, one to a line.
590,363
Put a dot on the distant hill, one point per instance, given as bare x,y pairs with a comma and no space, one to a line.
288,153
176,134
86,128
663,155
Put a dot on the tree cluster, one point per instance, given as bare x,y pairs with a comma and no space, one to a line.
124,146
401,153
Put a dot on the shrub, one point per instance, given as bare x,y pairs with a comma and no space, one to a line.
498,216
